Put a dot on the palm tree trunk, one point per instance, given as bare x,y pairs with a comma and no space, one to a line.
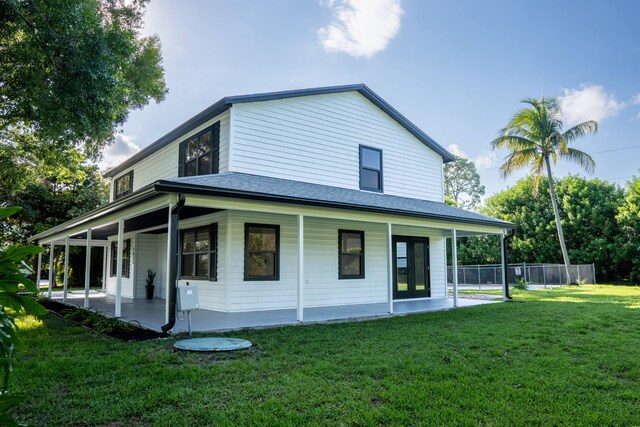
563,246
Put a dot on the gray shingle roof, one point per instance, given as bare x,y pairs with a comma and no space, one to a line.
235,184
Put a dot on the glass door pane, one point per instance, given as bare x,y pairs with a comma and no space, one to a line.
402,284
419,266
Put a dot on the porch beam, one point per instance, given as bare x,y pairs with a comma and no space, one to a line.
118,307
300,310
112,216
454,262
65,283
390,267
87,270
52,249
442,226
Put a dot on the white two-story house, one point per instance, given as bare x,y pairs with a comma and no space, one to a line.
287,200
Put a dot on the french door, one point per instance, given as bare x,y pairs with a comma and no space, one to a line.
411,267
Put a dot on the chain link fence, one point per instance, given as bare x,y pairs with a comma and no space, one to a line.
478,276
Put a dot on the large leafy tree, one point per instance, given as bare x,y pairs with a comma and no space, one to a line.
629,219
588,209
462,183
536,138
71,70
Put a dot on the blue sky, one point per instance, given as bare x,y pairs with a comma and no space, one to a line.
456,69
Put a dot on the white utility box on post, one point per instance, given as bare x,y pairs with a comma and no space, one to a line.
187,301
188,297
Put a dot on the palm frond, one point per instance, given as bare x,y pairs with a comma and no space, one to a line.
580,130
512,142
580,157
517,160
537,169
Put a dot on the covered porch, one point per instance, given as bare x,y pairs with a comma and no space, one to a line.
150,313
404,253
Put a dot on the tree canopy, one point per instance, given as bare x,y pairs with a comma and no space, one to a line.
462,183
71,70
602,225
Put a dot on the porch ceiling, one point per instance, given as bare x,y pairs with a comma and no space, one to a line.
146,221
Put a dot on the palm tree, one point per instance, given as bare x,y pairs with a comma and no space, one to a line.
535,136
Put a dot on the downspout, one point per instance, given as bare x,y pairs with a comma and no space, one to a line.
505,263
173,267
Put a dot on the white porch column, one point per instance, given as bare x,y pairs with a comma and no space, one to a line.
504,270
389,268
105,265
454,263
169,279
300,310
39,270
87,270
118,308
65,283
52,248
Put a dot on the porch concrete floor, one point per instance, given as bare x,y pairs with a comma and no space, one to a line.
150,313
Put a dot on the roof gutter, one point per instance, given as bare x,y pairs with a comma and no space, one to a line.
171,187
174,248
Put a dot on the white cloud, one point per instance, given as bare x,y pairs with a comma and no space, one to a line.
122,148
636,99
361,27
457,151
484,160
589,102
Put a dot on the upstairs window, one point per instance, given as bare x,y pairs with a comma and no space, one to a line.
126,256
370,169
351,254
261,256
123,186
199,154
199,253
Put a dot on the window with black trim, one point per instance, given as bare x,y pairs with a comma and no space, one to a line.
370,169
199,154
261,252
123,186
126,257
351,254
199,253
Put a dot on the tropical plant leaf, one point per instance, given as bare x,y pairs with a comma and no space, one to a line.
9,211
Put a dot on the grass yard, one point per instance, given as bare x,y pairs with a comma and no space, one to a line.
562,356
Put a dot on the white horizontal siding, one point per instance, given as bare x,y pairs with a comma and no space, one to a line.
164,162
315,139
151,253
212,294
322,286
264,294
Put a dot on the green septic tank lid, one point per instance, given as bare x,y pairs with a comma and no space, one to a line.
212,344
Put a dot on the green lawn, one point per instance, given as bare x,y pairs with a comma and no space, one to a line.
564,356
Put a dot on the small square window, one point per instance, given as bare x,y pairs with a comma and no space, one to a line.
123,186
